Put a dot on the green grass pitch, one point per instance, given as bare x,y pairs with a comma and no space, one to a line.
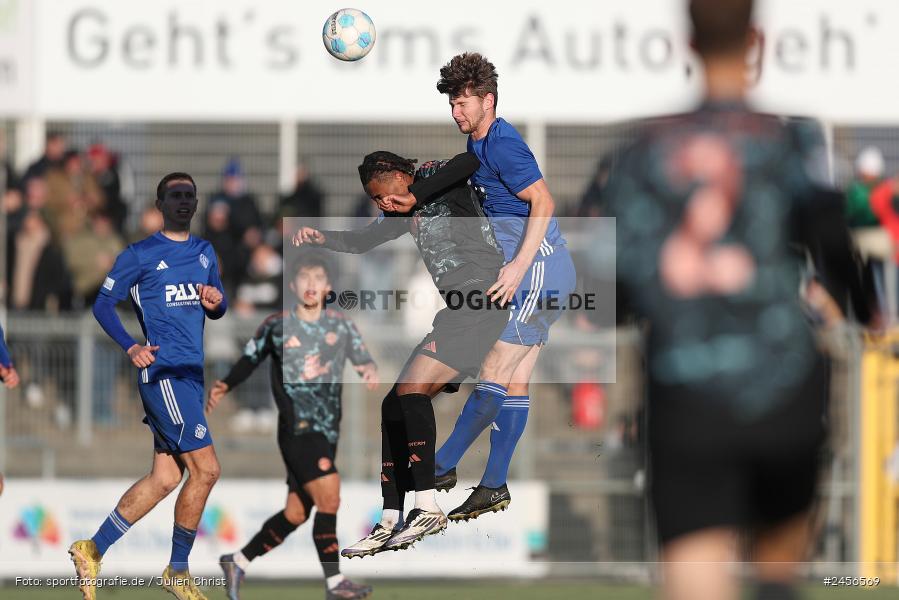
442,590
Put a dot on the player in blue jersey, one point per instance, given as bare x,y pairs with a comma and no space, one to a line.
172,281
536,280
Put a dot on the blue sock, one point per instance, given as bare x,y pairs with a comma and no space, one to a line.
114,527
509,425
182,541
481,408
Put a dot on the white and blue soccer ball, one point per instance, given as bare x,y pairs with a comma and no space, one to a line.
348,34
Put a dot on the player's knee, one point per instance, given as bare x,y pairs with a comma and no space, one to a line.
208,473
328,503
167,482
295,515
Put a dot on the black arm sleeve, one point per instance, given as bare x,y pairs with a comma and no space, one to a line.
358,241
824,230
242,369
457,170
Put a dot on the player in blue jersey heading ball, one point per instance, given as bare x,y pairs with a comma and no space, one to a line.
172,280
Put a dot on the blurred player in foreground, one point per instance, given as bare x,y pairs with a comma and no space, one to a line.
458,247
708,205
172,280
309,346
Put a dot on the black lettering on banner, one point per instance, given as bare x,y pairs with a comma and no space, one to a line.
366,300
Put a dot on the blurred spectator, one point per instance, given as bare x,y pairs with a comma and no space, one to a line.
232,255
244,219
73,196
54,153
103,166
868,175
593,202
39,279
261,288
150,222
35,199
306,200
90,254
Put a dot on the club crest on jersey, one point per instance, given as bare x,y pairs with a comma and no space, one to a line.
200,432
204,261
182,294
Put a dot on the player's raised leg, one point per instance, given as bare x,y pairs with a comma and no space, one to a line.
164,476
395,479
492,493
271,535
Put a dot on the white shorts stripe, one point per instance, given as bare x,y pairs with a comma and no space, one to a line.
168,402
168,383
528,310
530,291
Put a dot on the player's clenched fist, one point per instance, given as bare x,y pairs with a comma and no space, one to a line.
216,393
308,235
9,376
142,356
210,296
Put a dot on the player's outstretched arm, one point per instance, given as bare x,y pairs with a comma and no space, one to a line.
457,170
542,208
355,241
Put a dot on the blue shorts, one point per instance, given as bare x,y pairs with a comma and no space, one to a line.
174,409
541,298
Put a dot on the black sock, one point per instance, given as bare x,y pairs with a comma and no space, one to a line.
270,536
395,476
769,590
324,534
421,432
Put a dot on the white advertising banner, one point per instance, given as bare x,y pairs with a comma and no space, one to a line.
40,518
16,68
563,61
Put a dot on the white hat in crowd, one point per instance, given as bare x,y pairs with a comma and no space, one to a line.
870,162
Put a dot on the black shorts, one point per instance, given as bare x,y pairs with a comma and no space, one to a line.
462,337
307,457
707,469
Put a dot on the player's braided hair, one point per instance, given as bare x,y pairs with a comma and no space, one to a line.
382,162
469,72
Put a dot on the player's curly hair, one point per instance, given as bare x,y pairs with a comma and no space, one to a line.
469,72
378,164
720,26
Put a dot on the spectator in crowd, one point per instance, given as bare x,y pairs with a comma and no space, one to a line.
10,181
593,201
103,167
244,218
868,175
73,197
261,288
90,254
38,277
232,255
150,223
306,200
54,153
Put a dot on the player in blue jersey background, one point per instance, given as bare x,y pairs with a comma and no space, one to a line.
172,280
8,374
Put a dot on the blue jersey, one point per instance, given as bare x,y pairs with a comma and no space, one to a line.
4,353
507,167
161,276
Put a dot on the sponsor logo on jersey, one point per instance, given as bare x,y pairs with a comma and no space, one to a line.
109,284
161,266
204,261
200,432
181,294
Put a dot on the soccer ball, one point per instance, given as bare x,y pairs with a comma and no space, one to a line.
348,34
